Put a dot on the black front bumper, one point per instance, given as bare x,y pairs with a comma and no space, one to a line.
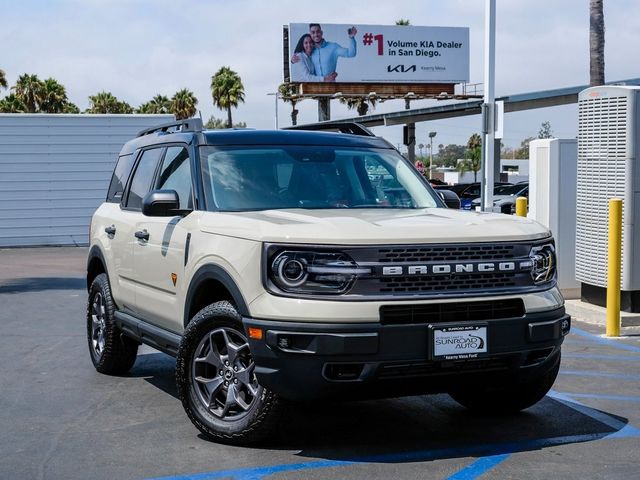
310,360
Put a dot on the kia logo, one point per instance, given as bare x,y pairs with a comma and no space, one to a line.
401,68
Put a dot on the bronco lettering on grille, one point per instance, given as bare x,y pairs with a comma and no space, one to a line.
451,268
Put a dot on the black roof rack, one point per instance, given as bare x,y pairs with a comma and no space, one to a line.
345,127
186,125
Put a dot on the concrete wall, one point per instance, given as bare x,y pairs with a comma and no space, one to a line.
55,171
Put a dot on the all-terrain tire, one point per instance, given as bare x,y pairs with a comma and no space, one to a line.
508,398
216,380
111,352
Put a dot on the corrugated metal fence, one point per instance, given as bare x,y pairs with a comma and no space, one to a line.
55,171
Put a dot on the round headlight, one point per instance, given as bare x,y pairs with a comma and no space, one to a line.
291,272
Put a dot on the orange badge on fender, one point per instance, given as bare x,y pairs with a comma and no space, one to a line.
174,278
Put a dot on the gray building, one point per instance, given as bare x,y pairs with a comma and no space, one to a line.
55,171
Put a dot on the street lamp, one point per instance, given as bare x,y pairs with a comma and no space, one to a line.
431,135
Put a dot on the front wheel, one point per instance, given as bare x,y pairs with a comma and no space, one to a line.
508,398
216,380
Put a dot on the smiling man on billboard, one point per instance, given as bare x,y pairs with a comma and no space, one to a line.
324,56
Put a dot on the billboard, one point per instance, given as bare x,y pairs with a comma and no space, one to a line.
353,53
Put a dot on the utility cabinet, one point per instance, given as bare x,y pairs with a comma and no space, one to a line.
552,201
608,142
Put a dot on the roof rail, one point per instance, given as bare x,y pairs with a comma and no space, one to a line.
185,125
343,127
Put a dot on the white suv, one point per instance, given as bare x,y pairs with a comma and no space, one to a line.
290,265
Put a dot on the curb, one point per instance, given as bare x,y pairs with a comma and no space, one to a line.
598,315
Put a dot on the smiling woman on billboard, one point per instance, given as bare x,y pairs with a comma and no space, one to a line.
315,59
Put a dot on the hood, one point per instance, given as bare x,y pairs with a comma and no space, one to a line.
371,226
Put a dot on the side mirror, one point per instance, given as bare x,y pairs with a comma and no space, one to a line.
450,198
161,203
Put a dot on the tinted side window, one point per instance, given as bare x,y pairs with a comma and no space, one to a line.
142,178
119,178
175,174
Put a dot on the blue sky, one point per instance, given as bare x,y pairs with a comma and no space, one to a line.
136,49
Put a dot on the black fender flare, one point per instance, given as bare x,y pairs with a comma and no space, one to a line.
214,272
96,252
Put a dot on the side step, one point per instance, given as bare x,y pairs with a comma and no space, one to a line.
156,337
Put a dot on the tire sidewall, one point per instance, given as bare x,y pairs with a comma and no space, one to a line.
100,285
221,314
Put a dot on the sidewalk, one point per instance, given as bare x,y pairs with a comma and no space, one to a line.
586,312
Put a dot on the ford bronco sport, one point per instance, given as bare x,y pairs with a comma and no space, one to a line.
297,265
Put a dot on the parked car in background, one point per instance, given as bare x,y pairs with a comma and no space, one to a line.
505,197
469,191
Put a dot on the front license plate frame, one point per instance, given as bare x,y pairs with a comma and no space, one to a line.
459,341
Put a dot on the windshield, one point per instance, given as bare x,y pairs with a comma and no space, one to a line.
278,177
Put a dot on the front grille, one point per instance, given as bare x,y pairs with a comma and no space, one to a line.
451,312
426,283
445,253
458,282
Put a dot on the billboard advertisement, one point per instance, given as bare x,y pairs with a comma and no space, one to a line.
354,53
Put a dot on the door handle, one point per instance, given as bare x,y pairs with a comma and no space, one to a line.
110,230
142,235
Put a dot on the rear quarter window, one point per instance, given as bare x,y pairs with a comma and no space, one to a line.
119,178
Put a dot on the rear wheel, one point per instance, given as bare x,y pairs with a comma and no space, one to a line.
508,398
111,352
216,379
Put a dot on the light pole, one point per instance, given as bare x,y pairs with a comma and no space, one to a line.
431,135
276,95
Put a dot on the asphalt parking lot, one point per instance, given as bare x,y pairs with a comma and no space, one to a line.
61,420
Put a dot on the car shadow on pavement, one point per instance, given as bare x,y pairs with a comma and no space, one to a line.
414,428
158,369
38,284
411,429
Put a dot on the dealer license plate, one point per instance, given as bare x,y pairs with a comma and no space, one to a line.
457,342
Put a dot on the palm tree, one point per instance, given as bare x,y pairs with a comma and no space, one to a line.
12,104
3,79
361,104
183,104
53,97
403,22
227,91
144,108
463,166
159,104
28,89
474,146
70,108
105,102
289,94
596,42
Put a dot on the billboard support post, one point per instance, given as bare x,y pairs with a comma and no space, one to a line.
411,128
324,109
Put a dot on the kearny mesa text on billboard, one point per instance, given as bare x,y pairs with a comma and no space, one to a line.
355,53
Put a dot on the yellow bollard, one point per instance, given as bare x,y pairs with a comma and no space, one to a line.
615,256
521,206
